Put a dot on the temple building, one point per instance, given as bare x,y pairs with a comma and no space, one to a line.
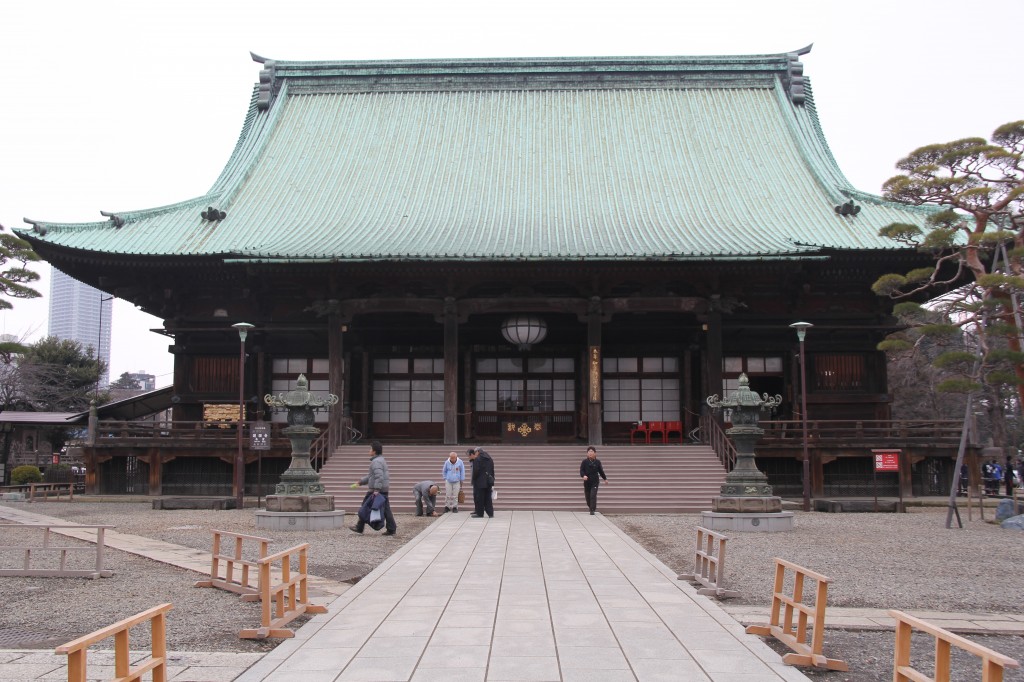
530,249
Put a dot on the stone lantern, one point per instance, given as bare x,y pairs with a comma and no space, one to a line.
300,492
746,490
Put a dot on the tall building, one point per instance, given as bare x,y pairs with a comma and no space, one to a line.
81,313
147,381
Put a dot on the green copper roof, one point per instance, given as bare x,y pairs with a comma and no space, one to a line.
633,158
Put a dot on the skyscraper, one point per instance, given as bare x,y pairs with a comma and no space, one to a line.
81,313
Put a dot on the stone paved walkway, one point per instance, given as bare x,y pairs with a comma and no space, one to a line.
541,596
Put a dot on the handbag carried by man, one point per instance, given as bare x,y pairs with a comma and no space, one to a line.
462,497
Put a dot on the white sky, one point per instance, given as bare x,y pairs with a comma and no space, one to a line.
124,105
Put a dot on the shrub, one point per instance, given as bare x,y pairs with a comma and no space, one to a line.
25,474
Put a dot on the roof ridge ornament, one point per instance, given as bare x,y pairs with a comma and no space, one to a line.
37,226
794,77
848,209
117,220
213,214
265,95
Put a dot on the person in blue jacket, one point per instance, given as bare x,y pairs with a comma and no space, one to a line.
454,473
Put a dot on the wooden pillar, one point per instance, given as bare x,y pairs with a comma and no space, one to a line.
595,434
713,352
181,367
156,471
91,470
364,393
467,395
686,376
335,378
451,372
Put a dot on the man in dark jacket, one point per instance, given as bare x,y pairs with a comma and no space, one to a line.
591,472
483,482
379,483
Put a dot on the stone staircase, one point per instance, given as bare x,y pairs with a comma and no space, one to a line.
642,478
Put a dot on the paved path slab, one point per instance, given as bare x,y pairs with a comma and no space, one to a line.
523,596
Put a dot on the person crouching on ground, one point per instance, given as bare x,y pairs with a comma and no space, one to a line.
426,497
483,483
591,472
454,473
379,483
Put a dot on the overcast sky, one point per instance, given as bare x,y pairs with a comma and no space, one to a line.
119,106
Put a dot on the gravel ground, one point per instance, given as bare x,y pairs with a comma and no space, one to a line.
906,561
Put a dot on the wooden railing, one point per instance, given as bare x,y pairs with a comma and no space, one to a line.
286,600
867,431
77,650
42,490
709,564
713,434
62,570
242,582
166,430
992,662
810,618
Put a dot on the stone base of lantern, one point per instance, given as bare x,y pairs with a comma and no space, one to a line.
777,522
746,505
300,512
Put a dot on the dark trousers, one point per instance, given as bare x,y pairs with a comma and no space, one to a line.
389,518
482,502
590,489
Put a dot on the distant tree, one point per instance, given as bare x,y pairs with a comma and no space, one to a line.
977,241
913,378
15,277
58,375
126,382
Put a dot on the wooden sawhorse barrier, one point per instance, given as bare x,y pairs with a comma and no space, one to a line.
77,650
783,631
288,599
45,490
709,564
242,583
992,662
98,570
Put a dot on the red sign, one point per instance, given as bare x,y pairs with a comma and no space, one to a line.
887,460
56,458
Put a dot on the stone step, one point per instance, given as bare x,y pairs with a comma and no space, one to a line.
656,479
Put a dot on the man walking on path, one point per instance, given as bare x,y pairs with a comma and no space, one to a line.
426,497
483,483
591,472
454,473
379,483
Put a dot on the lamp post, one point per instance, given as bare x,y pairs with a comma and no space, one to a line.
243,330
801,331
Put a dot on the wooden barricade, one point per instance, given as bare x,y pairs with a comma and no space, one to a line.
242,582
77,650
97,571
992,662
709,564
784,630
288,598
46,490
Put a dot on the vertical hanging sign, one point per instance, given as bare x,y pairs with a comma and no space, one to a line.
595,374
